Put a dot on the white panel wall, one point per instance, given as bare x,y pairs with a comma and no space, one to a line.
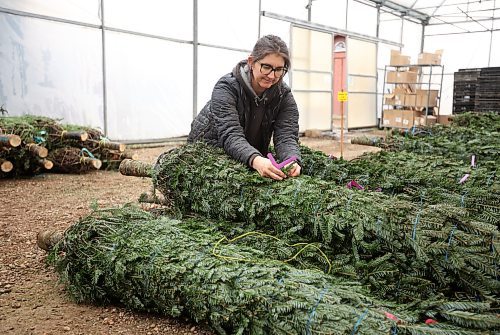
210,71
390,27
412,37
293,8
330,13
460,51
230,23
87,11
58,77
275,27
361,19
169,18
495,50
150,87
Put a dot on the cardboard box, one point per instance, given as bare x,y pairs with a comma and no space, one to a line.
410,118
391,118
427,58
410,100
429,121
397,59
445,119
402,77
396,98
426,98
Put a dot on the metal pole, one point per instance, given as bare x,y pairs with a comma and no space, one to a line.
104,84
422,38
346,12
342,127
376,67
195,58
260,19
309,5
491,32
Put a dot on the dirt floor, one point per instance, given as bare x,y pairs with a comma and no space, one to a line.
31,299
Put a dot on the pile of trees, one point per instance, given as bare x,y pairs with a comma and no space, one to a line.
414,249
33,144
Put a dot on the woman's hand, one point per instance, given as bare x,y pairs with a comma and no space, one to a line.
293,169
266,169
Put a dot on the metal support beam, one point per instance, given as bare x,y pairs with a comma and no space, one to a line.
406,11
104,82
328,29
195,58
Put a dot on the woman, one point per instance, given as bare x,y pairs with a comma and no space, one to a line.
249,106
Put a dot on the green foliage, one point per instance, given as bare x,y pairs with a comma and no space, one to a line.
157,264
166,266
420,178
425,249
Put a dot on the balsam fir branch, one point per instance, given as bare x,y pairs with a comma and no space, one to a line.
426,249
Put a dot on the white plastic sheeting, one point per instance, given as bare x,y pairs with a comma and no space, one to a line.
51,52
210,71
87,11
173,19
51,69
149,87
229,23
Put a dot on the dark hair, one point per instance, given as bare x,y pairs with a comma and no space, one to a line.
271,44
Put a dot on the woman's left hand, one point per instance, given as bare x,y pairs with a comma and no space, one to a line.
294,169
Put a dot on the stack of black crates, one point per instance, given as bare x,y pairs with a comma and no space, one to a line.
476,90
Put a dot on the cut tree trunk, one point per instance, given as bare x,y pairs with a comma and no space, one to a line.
37,150
129,155
45,163
113,145
93,162
5,165
75,135
47,239
129,167
10,140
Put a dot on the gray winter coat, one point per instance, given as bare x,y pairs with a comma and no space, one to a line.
243,123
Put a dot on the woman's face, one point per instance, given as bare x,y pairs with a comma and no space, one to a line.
266,72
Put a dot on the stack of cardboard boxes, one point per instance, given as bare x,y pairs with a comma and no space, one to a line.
408,99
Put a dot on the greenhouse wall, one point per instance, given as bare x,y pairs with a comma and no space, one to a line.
143,79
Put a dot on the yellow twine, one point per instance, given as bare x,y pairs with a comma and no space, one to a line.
304,247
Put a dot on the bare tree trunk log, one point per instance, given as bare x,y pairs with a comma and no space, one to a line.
364,140
37,150
75,135
10,140
45,163
93,162
129,155
112,145
130,167
5,165
47,239
151,198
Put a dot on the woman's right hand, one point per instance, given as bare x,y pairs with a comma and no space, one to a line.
266,169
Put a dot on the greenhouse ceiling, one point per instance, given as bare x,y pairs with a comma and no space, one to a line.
457,13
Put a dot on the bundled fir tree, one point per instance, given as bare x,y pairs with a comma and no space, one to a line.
187,267
423,178
472,135
403,249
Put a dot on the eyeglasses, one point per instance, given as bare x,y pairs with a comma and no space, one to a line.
266,69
